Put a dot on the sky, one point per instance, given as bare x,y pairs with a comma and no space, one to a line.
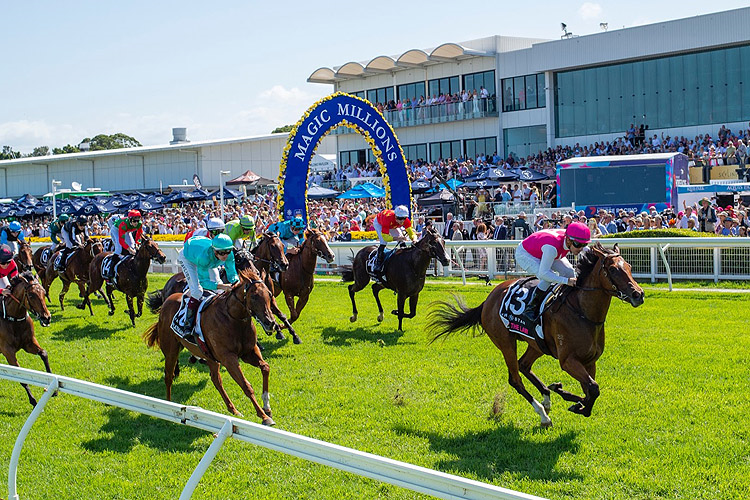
229,69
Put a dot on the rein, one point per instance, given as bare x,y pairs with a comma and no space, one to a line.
248,312
613,291
23,303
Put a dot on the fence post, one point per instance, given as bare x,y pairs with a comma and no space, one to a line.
224,433
717,264
662,251
654,263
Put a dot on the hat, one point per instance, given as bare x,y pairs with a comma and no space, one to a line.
705,199
680,214
522,214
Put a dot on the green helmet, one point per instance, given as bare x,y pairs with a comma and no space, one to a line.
222,242
247,222
63,218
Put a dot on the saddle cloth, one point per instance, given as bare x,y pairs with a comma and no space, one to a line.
110,271
46,254
59,257
514,304
371,264
179,316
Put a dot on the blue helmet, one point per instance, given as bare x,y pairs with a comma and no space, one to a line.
298,223
15,226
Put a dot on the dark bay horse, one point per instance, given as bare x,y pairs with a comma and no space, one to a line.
132,277
229,333
17,327
573,327
299,279
39,266
24,258
405,274
76,271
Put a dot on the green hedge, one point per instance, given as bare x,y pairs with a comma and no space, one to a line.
660,233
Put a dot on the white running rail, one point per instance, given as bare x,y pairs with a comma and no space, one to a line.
408,476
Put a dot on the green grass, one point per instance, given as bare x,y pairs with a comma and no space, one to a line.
669,422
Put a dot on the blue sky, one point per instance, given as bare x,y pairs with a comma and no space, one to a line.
234,69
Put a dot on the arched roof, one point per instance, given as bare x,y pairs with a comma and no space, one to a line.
414,57
350,69
381,63
322,75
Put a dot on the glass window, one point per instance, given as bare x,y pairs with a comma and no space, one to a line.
519,96
360,94
475,81
411,90
531,91
486,146
508,94
445,150
414,152
381,95
524,141
353,157
523,92
448,85
541,90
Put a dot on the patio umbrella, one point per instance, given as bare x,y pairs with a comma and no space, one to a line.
317,192
501,175
156,198
528,175
91,208
26,211
27,200
418,187
229,194
145,205
481,183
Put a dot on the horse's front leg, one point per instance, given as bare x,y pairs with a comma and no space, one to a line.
65,288
524,365
289,298
412,306
279,314
232,364
139,300
82,293
578,371
514,379
399,311
302,302
10,355
256,359
376,288
110,299
131,312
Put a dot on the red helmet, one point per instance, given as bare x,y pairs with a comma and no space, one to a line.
134,213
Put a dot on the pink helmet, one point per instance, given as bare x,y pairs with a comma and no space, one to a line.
578,231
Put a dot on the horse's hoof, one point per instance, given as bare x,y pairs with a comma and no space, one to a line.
296,340
546,425
394,312
577,408
81,306
268,422
267,411
237,413
279,336
111,312
138,315
380,318
353,318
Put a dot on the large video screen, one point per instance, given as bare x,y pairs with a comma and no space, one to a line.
613,185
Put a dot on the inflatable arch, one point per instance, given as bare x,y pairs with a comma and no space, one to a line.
340,109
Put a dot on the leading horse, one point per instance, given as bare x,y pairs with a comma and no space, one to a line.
229,334
17,327
405,273
573,327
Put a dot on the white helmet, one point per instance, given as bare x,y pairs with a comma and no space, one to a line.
215,224
401,211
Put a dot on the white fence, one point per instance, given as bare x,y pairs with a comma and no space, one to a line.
651,258
408,476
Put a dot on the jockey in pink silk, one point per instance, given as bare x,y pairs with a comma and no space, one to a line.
543,254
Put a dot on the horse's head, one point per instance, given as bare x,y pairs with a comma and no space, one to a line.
434,244
243,259
96,247
615,275
275,250
150,250
25,257
27,291
319,244
257,299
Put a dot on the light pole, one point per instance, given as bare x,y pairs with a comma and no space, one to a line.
54,189
221,191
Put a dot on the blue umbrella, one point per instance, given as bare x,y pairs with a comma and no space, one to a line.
116,204
156,198
229,194
418,187
66,207
27,200
481,183
44,208
530,175
453,183
316,192
366,190
145,205
91,208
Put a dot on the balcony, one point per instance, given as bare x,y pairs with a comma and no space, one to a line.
437,113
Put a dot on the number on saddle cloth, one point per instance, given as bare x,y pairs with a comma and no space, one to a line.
513,305
371,263
46,254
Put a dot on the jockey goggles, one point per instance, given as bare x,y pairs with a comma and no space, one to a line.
222,252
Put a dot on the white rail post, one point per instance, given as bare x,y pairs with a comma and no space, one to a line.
662,250
16,454
717,264
224,433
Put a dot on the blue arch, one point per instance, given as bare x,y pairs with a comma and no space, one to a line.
340,109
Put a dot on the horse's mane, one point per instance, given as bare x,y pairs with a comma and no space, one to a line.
26,275
248,275
588,258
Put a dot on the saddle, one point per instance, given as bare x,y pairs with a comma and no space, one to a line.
515,302
179,319
59,265
373,257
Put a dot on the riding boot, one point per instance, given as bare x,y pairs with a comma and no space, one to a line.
378,267
532,310
188,324
63,257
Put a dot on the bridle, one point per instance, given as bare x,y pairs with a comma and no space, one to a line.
612,290
23,302
248,312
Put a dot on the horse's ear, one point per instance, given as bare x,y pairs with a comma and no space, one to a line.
263,275
616,248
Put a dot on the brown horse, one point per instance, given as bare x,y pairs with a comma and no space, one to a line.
132,277
405,274
39,266
298,280
573,327
17,327
229,333
76,271
24,258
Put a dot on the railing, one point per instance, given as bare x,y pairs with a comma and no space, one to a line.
437,113
402,474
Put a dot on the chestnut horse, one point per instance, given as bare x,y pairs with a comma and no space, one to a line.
573,327
17,327
229,333
24,258
76,271
405,274
298,280
132,277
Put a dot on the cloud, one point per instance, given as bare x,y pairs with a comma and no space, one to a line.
590,10
25,135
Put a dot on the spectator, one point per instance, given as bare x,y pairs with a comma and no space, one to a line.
520,228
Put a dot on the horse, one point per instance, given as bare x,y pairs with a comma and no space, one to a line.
17,327
405,274
132,277
229,335
76,271
298,279
39,266
573,327
24,258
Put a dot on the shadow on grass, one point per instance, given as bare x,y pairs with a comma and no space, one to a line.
125,430
155,387
342,338
92,331
490,453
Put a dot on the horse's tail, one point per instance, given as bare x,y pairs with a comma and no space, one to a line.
151,335
347,274
155,301
447,317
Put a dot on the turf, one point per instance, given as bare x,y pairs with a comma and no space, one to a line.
669,422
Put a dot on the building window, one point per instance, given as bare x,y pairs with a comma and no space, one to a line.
486,146
360,94
445,150
353,157
414,152
523,92
411,91
381,95
443,86
524,141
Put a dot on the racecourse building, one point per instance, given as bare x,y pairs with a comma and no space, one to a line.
683,77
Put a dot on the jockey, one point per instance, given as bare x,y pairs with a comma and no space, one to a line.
543,255
197,258
11,234
291,232
74,234
240,231
390,222
8,268
214,227
121,229
54,231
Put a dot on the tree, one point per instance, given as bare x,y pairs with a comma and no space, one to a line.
285,128
40,151
9,154
65,150
114,141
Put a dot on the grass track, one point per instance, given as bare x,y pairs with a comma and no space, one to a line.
669,423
